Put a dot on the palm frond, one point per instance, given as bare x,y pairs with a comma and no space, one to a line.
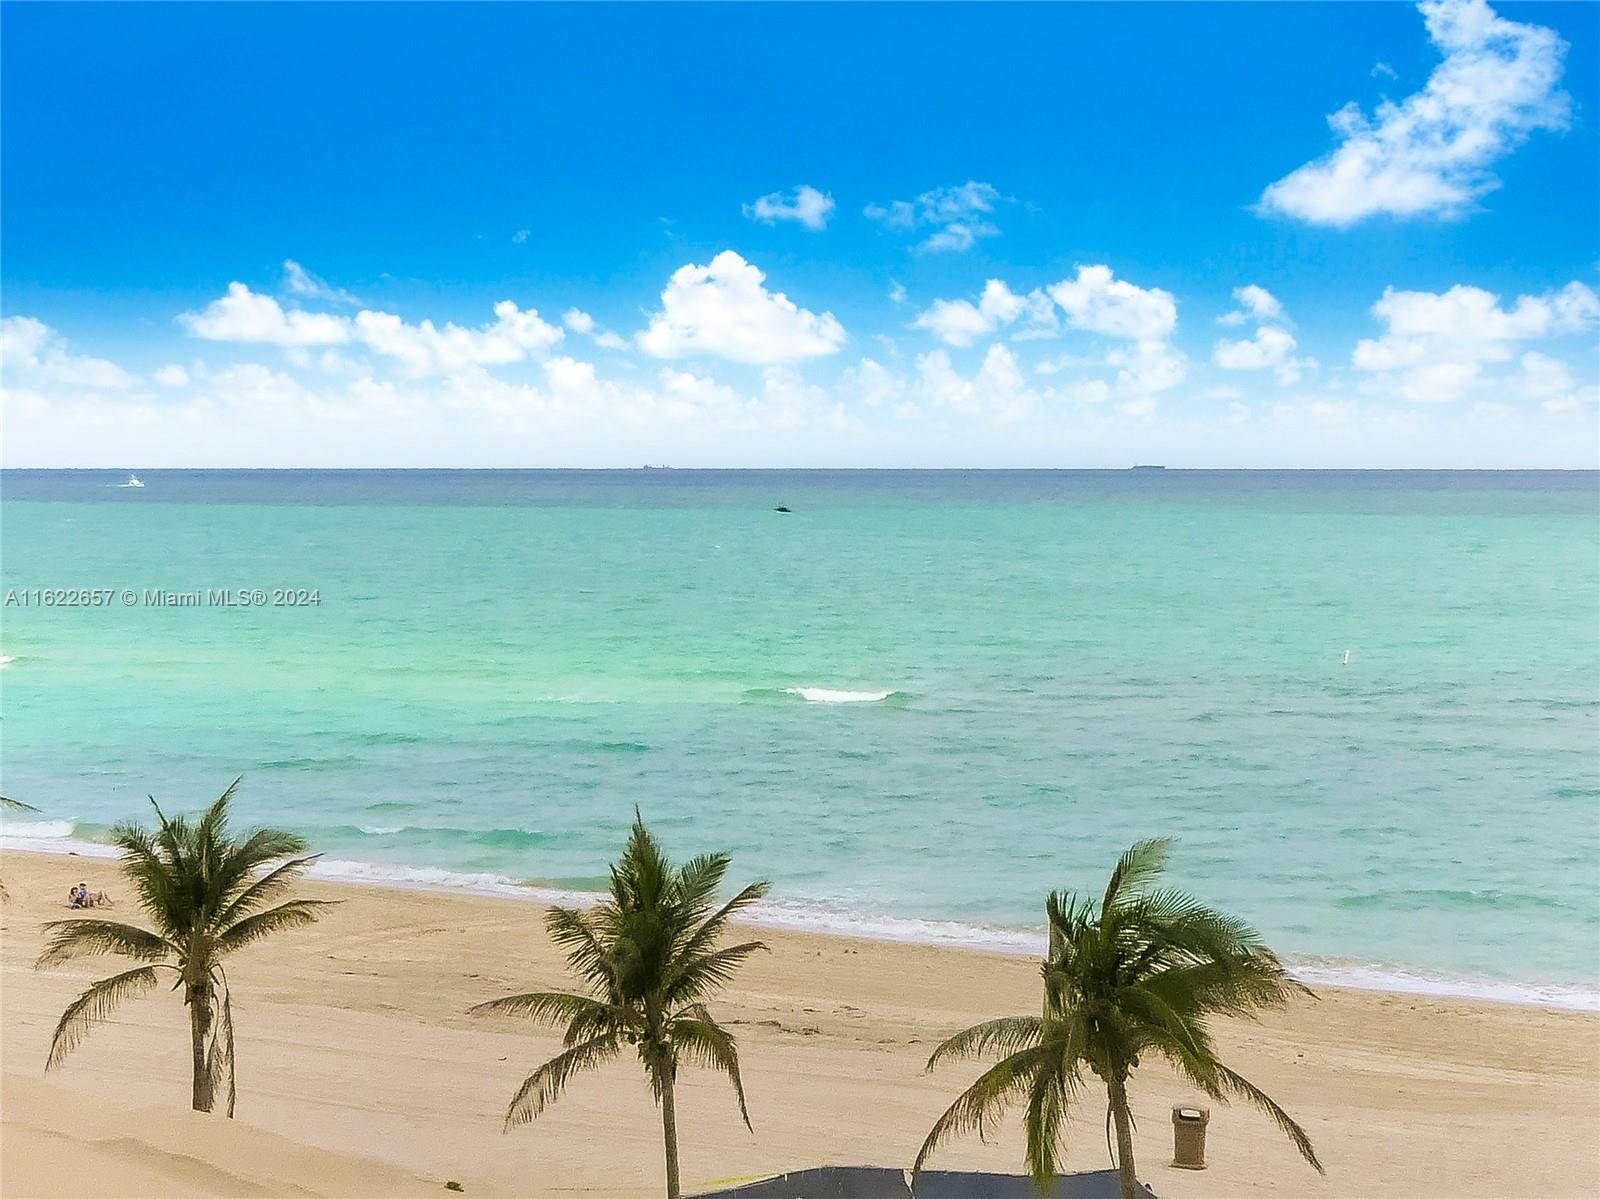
572,931
580,1013
545,1085
68,939
690,980
698,881
1240,1085
1007,1035
296,913
704,1042
239,894
219,1058
93,1007
15,805
1142,862
987,1098
714,925
1045,1123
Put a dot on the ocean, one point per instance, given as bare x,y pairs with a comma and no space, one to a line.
1367,704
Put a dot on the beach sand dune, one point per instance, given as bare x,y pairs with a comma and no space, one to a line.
360,1074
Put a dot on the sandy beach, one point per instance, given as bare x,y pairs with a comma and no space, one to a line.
360,1074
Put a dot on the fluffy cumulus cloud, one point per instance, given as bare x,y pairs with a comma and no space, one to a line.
1437,345
1256,303
247,316
1138,321
1432,152
961,322
1143,319
724,309
1098,302
580,321
424,348
954,219
805,206
35,355
1273,346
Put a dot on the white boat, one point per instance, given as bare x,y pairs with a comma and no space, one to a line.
133,481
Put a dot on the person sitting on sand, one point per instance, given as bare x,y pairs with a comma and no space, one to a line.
79,897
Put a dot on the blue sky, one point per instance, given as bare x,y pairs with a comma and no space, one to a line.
1416,282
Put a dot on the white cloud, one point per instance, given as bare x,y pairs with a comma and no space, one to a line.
172,375
956,217
580,321
997,392
724,310
1272,347
301,282
897,292
1255,304
520,236
425,349
960,322
1431,153
1098,302
244,315
1436,345
32,352
805,205
1147,366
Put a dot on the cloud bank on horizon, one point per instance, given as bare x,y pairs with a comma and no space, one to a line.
757,357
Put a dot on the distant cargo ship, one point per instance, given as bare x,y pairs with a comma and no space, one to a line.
1144,466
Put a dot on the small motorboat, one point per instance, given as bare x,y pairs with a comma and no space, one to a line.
133,481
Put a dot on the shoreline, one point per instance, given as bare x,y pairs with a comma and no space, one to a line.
357,1058
1346,974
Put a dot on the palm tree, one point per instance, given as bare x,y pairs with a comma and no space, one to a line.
207,894
649,959
1138,973
8,804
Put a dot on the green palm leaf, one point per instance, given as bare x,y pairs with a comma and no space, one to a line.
649,958
205,892
1142,971
544,1086
701,1040
94,1006
68,939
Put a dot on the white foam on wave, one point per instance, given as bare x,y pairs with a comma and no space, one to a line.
817,918
432,878
37,830
382,830
1365,977
7,659
829,695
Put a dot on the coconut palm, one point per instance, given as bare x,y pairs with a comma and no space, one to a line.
1138,973
649,959
8,804
208,894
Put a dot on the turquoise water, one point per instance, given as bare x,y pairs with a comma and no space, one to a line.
1043,667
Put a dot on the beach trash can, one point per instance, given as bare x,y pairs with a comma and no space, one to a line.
1189,1137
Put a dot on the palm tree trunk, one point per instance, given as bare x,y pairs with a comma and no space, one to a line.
669,1130
1127,1181
199,1025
